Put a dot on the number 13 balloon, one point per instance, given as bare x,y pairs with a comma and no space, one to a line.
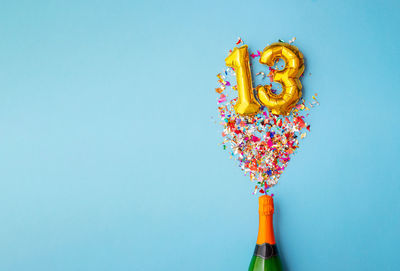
288,77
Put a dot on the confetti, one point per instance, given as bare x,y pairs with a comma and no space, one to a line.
256,55
219,90
239,41
261,73
263,144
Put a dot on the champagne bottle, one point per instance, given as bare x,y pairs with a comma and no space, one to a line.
265,254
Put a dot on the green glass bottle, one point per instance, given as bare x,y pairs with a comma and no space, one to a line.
265,256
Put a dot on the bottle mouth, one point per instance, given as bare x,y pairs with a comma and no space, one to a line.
266,205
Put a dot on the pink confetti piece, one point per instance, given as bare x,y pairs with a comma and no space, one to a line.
256,55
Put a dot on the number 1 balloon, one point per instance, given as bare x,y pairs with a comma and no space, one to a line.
239,60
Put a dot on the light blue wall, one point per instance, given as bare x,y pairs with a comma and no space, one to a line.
109,159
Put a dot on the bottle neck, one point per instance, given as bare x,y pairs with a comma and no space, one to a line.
265,230
265,226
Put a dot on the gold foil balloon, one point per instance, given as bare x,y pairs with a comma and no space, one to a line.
288,77
239,61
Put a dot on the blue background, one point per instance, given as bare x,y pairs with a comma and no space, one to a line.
109,158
